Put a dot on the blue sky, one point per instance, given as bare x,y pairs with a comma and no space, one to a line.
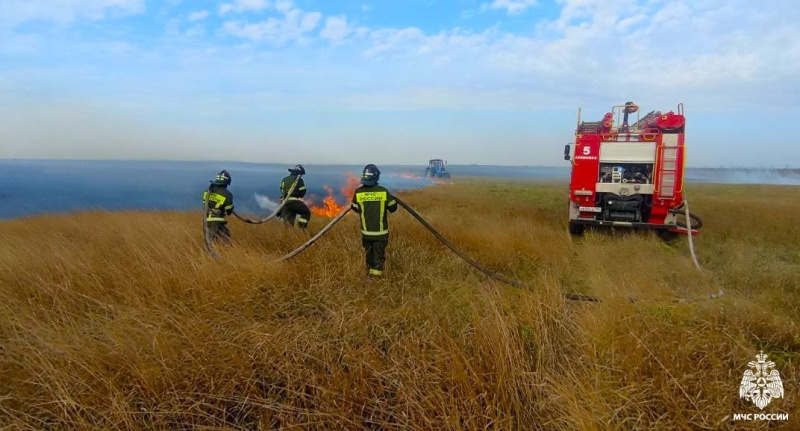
312,81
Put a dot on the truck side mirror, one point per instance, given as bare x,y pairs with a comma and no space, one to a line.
566,152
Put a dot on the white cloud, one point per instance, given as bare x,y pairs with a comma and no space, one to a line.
66,11
243,6
390,40
336,29
294,24
199,15
606,49
284,5
512,7
274,30
361,31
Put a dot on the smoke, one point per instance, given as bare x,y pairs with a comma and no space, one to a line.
744,176
266,203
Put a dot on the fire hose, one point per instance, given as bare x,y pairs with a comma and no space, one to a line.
275,213
454,249
689,216
476,265
207,240
689,234
689,227
691,243
313,239
443,240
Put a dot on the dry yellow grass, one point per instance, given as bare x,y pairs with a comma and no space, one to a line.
122,322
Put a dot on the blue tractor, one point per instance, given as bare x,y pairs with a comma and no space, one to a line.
437,169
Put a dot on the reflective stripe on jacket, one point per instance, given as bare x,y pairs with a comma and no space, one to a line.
299,190
220,203
373,203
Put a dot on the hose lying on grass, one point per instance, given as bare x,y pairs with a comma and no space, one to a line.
443,240
689,233
689,217
313,239
459,253
689,227
274,213
476,265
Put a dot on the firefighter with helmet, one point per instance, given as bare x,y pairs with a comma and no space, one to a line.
294,212
373,203
219,201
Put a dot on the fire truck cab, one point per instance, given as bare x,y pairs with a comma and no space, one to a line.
628,171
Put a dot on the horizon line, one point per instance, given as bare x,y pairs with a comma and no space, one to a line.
566,165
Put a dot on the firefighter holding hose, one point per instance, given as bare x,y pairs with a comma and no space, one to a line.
294,212
373,203
219,203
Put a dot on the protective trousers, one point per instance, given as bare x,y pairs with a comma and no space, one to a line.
218,231
296,213
376,254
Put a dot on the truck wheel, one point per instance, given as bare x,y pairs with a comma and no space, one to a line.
576,229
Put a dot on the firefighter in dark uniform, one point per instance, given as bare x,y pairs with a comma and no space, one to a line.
220,204
294,212
373,203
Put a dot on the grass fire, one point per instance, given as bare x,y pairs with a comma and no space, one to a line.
331,206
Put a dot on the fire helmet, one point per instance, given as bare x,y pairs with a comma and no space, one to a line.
370,175
298,170
223,179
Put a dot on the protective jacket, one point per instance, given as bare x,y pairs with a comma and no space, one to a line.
220,203
299,190
373,203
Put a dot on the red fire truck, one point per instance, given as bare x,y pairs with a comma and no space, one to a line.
628,171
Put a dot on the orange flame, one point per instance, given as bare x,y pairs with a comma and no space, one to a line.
330,208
